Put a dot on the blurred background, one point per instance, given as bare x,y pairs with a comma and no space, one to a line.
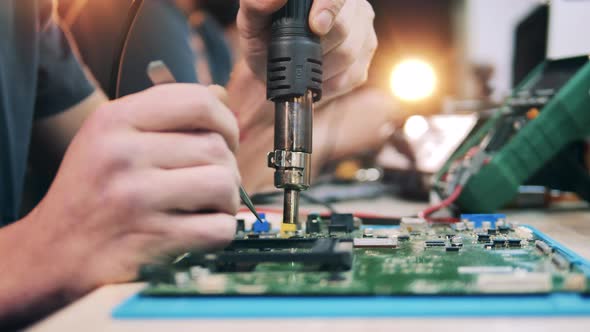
454,49
443,67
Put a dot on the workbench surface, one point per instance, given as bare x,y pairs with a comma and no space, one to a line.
568,225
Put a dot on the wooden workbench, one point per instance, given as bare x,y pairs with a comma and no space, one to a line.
570,226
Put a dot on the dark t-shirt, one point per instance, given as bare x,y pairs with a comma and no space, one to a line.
39,77
160,32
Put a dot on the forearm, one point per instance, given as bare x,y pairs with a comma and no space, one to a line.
356,123
352,124
33,284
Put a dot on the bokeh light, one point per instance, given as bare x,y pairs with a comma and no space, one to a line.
413,80
416,126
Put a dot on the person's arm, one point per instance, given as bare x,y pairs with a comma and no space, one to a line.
53,134
342,129
96,225
65,97
105,214
160,32
34,281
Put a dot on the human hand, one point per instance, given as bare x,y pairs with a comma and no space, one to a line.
346,30
148,175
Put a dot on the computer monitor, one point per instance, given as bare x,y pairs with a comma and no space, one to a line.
569,27
530,43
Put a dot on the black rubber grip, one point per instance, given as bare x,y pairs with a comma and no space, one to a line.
294,54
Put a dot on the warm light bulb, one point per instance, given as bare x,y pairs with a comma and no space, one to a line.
413,80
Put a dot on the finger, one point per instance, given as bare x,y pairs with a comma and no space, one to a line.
348,52
342,27
180,107
355,76
220,92
183,150
175,190
254,17
181,233
323,15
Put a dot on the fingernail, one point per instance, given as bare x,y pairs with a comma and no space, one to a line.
323,21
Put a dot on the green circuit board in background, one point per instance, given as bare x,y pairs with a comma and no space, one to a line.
415,258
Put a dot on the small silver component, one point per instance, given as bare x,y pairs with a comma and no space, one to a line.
543,247
182,279
375,242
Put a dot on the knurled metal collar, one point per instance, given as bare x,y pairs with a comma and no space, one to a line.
288,159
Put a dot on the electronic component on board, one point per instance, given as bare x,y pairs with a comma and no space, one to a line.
410,225
374,260
514,243
434,243
485,221
312,225
543,247
403,237
262,225
374,243
516,282
483,237
240,225
561,262
341,222
499,242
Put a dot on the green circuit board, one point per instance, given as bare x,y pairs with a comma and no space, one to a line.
414,258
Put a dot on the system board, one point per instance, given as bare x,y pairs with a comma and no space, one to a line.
343,256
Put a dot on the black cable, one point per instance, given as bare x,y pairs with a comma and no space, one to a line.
318,201
121,51
267,197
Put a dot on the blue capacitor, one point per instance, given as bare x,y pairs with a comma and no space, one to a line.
261,226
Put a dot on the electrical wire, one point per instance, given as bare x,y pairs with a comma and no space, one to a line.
445,203
121,50
306,212
265,196
318,201
364,215
361,215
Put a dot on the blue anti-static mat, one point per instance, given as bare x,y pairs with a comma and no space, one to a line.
138,307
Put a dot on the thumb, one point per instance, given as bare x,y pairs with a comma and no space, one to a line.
323,15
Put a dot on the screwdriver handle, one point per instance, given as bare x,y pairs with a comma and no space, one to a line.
294,54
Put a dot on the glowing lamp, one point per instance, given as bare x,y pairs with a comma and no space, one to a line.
413,80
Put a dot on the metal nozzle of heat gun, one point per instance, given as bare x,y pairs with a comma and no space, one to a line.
294,83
